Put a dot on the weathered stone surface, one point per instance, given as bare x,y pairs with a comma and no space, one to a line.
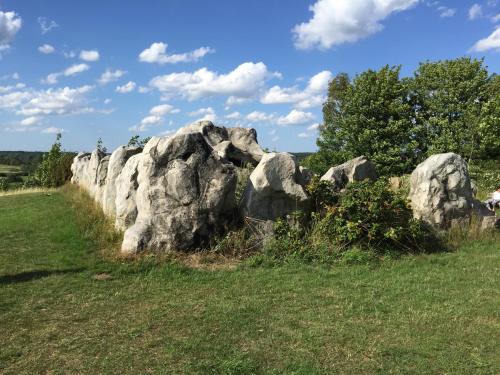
90,177
242,149
245,140
274,188
100,182
185,195
357,169
126,185
79,168
490,223
117,161
440,190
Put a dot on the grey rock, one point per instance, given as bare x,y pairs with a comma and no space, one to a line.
440,191
117,161
274,189
185,195
79,168
245,140
357,169
126,185
100,183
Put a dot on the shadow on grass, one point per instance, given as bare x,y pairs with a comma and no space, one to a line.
35,275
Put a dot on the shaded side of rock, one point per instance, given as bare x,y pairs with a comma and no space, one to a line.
274,189
125,192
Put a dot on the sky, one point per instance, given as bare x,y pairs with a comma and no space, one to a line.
116,68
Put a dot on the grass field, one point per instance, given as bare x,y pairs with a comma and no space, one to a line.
9,168
432,314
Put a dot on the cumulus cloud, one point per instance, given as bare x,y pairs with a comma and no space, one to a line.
111,76
30,121
335,22
492,42
313,95
257,116
10,24
46,24
89,55
33,104
53,78
496,18
475,11
233,115
46,49
206,114
126,88
243,82
295,117
155,117
157,53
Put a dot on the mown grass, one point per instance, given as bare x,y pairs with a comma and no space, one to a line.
424,314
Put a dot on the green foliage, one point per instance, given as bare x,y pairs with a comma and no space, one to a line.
136,141
370,215
447,106
322,193
55,168
448,98
486,175
100,146
4,184
370,116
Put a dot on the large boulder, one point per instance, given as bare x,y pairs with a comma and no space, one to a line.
440,191
357,169
100,181
117,162
185,195
238,145
126,185
90,177
274,188
79,168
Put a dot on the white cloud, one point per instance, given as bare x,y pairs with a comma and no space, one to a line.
243,82
90,55
107,101
46,24
111,76
257,116
29,121
335,22
233,115
155,117
313,127
53,78
10,24
496,18
53,130
69,54
163,109
6,89
13,76
475,11
295,117
126,88
156,53
492,42
313,95
207,114
445,12
304,135
46,49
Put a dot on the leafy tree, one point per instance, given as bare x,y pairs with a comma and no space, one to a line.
100,146
371,116
448,103
55,168
4,184
136,141
489,122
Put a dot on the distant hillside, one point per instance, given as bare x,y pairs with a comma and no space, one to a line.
301,155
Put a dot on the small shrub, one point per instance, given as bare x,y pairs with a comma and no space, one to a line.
368,214
4,184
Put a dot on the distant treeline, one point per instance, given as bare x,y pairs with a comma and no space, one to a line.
21,158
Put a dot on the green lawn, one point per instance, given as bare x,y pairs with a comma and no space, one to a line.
9,168
433,314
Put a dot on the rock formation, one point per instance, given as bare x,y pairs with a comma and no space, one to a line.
440,191
357,169
274,188
185,195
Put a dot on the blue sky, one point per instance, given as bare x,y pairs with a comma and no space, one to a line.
113,69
